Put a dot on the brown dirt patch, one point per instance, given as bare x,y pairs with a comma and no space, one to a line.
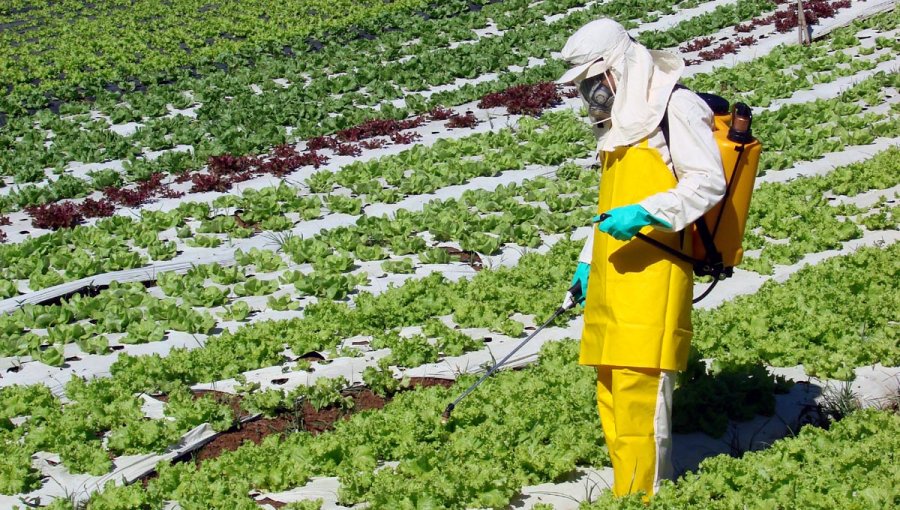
272,502
253,431
425,382
308,419
468,257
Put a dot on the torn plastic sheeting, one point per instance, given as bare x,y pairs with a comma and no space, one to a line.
128,275
152,408
126,469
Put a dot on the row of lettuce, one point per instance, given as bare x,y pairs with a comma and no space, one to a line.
787,221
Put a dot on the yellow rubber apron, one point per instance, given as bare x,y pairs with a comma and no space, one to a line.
638,307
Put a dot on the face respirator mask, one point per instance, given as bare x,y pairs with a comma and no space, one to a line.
599,98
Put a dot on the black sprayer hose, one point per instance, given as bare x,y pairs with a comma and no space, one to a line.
575,291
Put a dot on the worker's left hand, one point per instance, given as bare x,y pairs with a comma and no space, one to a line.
624,222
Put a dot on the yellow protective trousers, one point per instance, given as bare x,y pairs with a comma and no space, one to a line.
635,407
637,325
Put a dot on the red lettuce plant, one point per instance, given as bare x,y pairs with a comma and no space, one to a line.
462,121
746,41
697,44
405,138
524,99
313,158
102,208
719,51
321,142
285,151
372,144
55,216
202,183
139,195
378,127
440,113
347,149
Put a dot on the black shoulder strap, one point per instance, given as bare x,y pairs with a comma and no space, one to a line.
712,264
664,123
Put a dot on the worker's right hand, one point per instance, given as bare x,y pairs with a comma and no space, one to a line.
581,277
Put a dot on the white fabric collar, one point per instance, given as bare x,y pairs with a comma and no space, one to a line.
648,77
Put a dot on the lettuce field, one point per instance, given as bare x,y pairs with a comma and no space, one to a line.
249,251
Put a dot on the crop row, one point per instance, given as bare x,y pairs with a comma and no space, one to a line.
557,137
789,68
805,131
45,46
797,211
330,256
262,344
845,121
229,120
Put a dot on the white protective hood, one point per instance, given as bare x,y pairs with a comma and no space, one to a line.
647,78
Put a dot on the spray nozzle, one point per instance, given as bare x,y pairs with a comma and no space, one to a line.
445,416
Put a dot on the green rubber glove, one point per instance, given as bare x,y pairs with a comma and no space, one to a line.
624,222
581,276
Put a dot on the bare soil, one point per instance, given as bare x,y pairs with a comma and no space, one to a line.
306,419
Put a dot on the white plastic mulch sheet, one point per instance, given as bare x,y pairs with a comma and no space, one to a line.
59,483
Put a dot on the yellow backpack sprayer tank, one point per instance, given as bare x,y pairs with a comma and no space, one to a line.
718,235
740,159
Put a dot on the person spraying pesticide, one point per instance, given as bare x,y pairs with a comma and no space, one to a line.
637,311
677,173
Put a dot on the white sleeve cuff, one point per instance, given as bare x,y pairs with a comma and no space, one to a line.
587,251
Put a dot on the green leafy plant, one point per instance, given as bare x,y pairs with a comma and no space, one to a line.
255,287
282,303
401,266
323,393
239,311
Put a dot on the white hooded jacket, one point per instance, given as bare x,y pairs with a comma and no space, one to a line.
644,87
